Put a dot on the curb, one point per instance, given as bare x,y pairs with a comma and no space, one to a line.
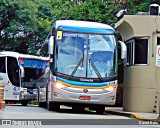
132,115
118,113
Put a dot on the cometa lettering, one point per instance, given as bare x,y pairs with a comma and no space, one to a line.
87,80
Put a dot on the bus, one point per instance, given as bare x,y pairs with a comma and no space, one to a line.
83,65
21,75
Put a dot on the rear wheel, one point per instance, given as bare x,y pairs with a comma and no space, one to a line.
24,103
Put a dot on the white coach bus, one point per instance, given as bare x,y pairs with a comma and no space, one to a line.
83,63
21,75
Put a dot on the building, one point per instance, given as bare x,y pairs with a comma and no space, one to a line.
141,33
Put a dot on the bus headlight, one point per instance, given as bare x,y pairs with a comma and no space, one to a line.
110,89
23,92
59,85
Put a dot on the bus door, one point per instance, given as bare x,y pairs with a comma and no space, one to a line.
12,87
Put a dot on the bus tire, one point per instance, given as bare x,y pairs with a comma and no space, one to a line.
100,109
78,108
53,106
42,104
24,103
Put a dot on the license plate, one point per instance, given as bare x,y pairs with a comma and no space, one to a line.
85,98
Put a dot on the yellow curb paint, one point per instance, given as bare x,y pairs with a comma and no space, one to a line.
135,115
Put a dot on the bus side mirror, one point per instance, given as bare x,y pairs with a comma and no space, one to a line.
50,46
123,50
22,71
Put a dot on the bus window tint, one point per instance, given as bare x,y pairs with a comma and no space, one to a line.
71,50
13,71
101,49
2,65
97,41
32,74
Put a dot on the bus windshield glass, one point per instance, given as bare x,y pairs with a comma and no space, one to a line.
85,55
33,69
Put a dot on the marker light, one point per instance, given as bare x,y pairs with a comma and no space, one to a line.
21,60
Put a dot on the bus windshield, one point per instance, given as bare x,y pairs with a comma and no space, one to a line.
33,69
85,55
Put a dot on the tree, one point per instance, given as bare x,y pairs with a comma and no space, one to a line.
17,23
138,5
23,28
25,24
44,16
91,10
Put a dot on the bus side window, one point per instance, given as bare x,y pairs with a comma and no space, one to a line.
13,71
2,65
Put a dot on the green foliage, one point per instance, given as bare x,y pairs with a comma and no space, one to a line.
20,27
25,24
17,21
139,5
33,102
91,10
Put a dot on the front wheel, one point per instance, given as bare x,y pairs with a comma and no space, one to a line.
78,108
53,106
100,109
24,103
42,104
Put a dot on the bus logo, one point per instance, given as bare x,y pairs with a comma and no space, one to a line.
87,80
85,90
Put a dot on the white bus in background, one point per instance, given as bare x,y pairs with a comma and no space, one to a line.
21,75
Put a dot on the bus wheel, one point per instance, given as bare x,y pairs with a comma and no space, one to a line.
78,108
53,106
100,109
42,104
24,103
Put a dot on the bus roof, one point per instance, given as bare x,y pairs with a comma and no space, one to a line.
83,26
18,55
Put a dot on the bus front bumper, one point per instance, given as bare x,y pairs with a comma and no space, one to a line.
28,97
91,96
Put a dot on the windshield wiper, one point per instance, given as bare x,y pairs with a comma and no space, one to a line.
96,70
75,69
